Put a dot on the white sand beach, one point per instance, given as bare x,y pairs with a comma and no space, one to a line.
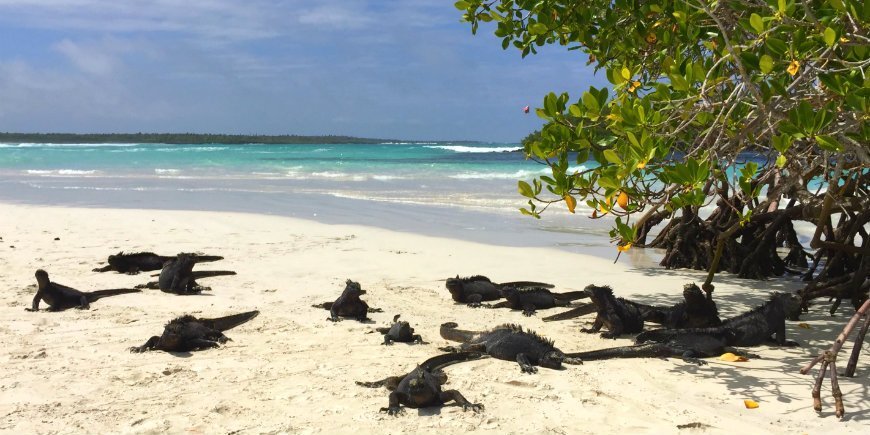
291,371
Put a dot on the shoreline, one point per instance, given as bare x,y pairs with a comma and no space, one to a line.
290,371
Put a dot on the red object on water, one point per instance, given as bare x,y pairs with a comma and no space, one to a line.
526,109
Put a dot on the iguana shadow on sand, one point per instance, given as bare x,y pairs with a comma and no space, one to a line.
421,387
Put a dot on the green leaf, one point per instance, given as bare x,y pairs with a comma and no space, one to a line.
765,64
829,143
830,37
591,102
780,161
611,157
525,189
538,29
625,73
633,139
781,6
756,23
461,5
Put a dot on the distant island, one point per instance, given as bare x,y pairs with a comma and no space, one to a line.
192,138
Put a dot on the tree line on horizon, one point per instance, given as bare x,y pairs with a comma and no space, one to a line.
183,138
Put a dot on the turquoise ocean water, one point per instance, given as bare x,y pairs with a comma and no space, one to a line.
461,190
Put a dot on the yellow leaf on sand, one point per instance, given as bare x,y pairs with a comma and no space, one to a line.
750,404
622,200
623,248
793,67
804,325
730,357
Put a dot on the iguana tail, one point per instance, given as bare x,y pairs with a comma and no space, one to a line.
449,332
650,350
229,322
572,296
92,296
209,273
323,305
447,359
570,314
520,284
206,258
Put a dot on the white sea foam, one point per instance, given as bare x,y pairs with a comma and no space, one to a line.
167,171
388,177
509,175
468,149
61,172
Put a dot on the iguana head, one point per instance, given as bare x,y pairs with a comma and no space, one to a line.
418,382
597,293
114,260
791,304
691,292
454,285
552,360
41,277
352,288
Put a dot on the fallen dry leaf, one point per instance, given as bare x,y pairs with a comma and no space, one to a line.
750,404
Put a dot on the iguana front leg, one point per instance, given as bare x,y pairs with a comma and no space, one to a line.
780,337
35,305
596,326
83,303
394,408
614,326
691,356
149,345
418,339
457,397
526,365
387,340
474,300
201,343
529,310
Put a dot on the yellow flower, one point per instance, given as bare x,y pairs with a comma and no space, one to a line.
641,165
623,248
793,67
651,38
634,85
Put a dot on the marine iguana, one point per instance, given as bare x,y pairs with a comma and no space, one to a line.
619,315
134,263
531,299
422,386
508,342
177,276
475,289
188,333
690,347
752,328
696,311
400,331
60,297
348,304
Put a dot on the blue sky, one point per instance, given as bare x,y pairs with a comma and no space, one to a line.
402,69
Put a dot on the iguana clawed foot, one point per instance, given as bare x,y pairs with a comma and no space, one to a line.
529,313
476,407
393,410
530,369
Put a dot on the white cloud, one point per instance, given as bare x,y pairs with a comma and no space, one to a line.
87,59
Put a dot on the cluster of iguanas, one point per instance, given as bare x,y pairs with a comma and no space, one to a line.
182,334
690,329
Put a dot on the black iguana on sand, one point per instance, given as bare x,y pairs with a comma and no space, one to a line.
508,342
475,289
178,277
133,263
188,333
422,386
400,331
530,299
60,297
348,304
